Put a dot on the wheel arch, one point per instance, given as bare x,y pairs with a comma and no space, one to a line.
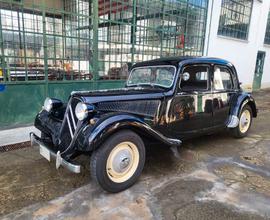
239,102
253,108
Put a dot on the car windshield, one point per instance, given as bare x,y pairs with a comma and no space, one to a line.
161,76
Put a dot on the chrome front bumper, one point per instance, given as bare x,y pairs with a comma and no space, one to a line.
36,141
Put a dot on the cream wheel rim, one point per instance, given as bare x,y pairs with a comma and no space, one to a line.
245,121
122,162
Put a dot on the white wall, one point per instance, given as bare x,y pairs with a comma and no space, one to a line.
242,53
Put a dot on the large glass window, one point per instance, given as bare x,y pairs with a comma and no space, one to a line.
267,33
80,40
235,18
150,29
53,45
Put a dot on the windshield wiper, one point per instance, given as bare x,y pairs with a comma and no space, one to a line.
153,86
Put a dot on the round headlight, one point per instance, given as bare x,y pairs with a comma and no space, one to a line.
48,104
81,111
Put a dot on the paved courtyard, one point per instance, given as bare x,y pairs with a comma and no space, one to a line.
213,177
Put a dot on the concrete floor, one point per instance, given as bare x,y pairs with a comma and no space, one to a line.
215,177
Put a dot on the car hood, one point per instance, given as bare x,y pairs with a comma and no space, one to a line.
123,94
139,101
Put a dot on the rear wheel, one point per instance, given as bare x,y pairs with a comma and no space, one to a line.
245,121
119,161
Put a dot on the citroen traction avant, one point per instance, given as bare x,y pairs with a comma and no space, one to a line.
164,101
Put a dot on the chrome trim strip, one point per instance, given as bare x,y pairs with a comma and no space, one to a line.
157,112
69,126
174,141
167,119
72,117
70,166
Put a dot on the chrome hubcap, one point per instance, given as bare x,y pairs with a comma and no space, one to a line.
244,121
122,162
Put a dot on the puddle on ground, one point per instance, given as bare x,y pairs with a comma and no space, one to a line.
236,184
250,140
248,180
102,206
233,195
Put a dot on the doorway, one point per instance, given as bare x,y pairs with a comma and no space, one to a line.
257,81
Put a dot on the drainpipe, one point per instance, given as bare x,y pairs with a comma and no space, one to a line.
210,24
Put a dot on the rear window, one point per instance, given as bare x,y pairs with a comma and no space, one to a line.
222,79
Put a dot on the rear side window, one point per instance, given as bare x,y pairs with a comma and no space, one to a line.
194,78
222,79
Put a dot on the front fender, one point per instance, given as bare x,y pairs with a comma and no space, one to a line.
124,121
239,102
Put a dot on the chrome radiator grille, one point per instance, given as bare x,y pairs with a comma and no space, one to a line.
69,125
71,118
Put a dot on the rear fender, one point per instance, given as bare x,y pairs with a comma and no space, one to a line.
239,102
124,121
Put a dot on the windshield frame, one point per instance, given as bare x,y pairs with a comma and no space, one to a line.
155,84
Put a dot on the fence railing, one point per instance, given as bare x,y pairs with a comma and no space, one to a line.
78,40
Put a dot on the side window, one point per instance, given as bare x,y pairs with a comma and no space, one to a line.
194,78
222,79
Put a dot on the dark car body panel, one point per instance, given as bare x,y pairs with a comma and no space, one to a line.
117,122
186,117
166,115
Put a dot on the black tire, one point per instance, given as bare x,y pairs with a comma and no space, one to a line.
236,132
98,164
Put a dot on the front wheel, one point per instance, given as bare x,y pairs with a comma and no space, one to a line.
118,162
245,120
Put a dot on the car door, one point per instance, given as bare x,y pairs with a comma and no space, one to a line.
223,88
190,109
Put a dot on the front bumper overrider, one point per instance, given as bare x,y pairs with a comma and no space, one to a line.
37,141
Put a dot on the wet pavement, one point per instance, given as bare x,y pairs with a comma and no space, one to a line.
215,177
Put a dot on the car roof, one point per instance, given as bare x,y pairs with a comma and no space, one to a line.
176,60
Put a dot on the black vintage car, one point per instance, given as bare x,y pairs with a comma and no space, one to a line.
164,101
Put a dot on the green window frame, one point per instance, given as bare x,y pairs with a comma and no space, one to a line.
267,33
235,18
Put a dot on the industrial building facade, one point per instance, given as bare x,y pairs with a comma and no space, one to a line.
239,31
52,47
81,40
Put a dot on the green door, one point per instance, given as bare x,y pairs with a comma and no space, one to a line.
257,81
